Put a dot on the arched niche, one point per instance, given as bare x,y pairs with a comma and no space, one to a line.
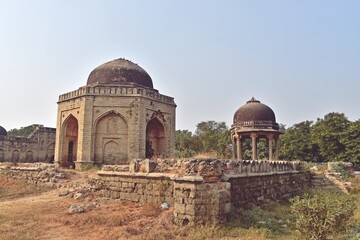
50,153
15,157
29,156
69,142
155,139
2,156
111,139
112,153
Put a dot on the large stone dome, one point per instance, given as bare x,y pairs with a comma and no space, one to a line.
3,131
254,111
120,72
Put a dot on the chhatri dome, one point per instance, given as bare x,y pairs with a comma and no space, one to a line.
3,131
254,120
120,72
255,113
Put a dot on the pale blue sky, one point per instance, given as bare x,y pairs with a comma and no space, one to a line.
301,58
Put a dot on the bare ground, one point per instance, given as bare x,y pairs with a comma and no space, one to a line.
27,212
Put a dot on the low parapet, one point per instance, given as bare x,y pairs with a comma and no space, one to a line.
115,91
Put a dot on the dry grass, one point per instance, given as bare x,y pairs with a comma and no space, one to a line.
10,188
206,155
355,185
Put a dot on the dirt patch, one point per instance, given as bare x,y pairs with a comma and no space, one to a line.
30,212
12,189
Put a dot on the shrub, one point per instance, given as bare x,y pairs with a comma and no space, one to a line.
321,213
343,169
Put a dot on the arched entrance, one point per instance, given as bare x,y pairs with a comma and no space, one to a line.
111,139
155,139
69,142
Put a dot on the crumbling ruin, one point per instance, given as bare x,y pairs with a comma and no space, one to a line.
199,191
202,190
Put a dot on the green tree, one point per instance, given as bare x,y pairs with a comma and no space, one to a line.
23,131
351,140
328,134
296,143
213,136
186,144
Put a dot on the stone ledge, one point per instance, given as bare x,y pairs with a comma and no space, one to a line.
226,177
196,179
137,174
30,169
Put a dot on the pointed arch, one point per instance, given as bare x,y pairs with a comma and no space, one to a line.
109,113
155,138
111,139
70,132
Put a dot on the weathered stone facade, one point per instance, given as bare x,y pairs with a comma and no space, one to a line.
39,146
115,118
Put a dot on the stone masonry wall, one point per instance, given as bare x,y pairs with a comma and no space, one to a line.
137,187
260,188
196,202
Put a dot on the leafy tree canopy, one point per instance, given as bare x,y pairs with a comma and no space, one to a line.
23,131
329,134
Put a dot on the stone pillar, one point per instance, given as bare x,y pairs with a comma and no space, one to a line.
234,148
85,134
270,139
254,146
239,147
276,148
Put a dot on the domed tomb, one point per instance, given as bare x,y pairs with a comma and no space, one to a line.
120,72
254,120
118,116
3,131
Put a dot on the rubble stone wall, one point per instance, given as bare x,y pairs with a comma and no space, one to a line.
140,187
35,173
259,188
197,201
200,203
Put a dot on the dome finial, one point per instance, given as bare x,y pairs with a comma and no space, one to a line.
252,100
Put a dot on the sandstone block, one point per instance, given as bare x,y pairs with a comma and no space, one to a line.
180,208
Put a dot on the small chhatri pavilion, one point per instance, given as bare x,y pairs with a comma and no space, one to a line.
254,120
